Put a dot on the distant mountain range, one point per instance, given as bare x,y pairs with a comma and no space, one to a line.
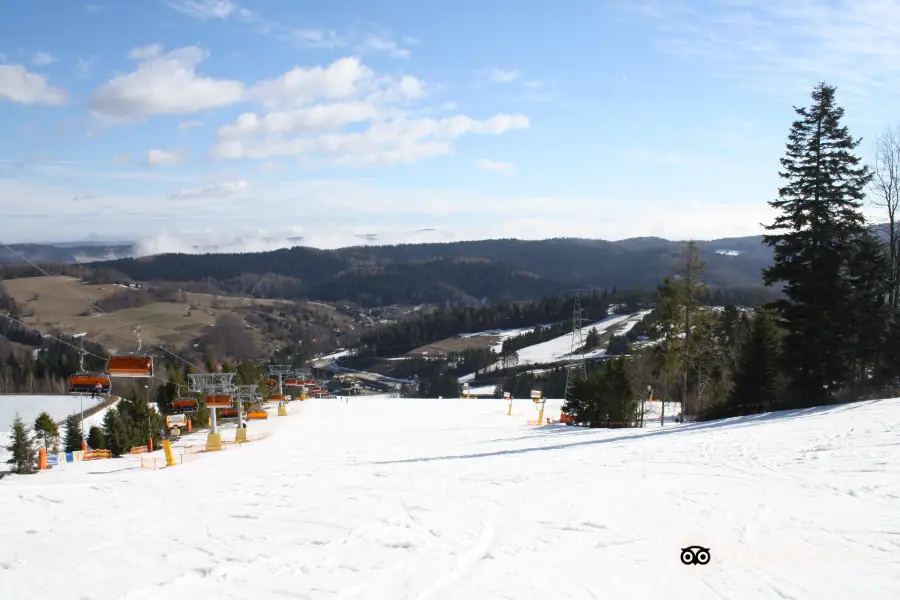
468,272
65,252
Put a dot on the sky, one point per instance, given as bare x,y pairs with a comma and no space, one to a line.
249,124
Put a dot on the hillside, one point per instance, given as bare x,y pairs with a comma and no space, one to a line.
404,498
466,272
227,325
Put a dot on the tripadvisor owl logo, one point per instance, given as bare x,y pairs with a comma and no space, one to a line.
695,555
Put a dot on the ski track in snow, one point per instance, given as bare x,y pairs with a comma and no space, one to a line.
443,499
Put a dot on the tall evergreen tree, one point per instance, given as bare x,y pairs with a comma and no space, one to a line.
115,433
668,351
21,448
756,383
47,432
72,441
95,438
814,235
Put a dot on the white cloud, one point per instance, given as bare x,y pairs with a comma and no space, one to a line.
164,158
341,79
93,7
312,107
504,76
17,84
386,45
301,120
784,48
208,10
188,125
42,59
163,84
496,166
205,9
216,190
384,142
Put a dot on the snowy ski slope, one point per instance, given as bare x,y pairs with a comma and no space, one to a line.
445,499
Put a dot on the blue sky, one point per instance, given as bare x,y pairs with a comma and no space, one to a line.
244,123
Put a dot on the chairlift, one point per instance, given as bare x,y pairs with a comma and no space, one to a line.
219,401
184,405
83,382
133,365
271,382
228,413
291,382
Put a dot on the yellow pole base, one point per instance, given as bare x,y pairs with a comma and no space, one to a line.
509,410
541,417
282,411
213,442
167,448
240,435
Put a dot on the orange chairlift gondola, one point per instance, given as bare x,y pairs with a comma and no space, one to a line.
83,382
219,400
132,365
184,404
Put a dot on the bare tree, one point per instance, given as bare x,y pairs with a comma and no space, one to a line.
885,189
690,292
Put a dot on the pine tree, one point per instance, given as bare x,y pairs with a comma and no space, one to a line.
819,223
95,438
756,383
690,290
668,351
72,441
869,273
115,433
592,340
47,432
200,419
21,448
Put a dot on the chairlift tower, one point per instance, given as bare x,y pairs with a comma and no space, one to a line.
241,393
218,390
280,372
576,369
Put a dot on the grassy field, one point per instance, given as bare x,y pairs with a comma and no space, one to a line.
51,303
456,344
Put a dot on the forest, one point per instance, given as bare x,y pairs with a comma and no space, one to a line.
832,336
458,273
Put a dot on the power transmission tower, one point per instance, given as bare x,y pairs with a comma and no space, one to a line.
576,370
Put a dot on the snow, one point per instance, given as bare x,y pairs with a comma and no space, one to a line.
502,335
438,499
484,390
30,406
559,348
327,358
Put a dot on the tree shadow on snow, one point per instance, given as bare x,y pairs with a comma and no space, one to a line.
732,422
113,471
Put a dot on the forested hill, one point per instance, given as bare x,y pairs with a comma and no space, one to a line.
461,271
